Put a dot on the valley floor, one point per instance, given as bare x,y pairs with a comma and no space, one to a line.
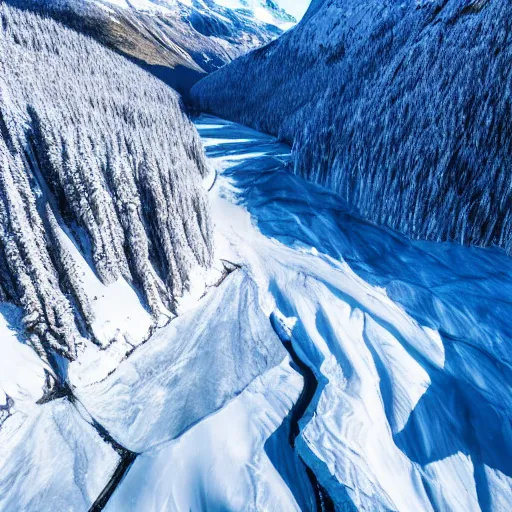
409,344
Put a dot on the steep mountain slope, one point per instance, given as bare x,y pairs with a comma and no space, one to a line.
102,223
177,40
403,108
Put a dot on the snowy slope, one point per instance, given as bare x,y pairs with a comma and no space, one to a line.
52,459
221,463
200,401
22,373
326,360
409,343
400,107
103,225
186,370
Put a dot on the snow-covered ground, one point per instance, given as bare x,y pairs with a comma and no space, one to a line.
409,342
188,369
22,373
221,463
410,339
52,459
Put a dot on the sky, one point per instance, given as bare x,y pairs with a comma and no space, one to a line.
296,8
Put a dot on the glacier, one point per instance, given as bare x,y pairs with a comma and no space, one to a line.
401,107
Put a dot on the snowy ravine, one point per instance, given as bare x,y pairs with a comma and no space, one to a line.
409,343
410,339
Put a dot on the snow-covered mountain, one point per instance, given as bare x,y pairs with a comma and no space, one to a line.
179,41
403,108
186,325
104,232
265,11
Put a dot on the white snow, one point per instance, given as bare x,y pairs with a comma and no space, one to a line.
220,463
187,370
118,311
258,8
22,376
59,461
403,370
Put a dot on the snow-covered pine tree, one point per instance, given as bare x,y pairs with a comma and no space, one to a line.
97,151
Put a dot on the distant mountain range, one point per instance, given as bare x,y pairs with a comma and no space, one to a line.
179,41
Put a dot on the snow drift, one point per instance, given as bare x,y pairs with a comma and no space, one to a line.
403,108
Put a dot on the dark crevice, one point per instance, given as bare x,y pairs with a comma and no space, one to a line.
6,409
54,389
324,502
127,459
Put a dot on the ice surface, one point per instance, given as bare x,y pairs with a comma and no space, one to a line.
221,463
187,370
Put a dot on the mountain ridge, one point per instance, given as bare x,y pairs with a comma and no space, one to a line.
177,41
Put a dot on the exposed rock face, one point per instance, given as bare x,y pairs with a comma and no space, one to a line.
403,108
99,168
178,41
